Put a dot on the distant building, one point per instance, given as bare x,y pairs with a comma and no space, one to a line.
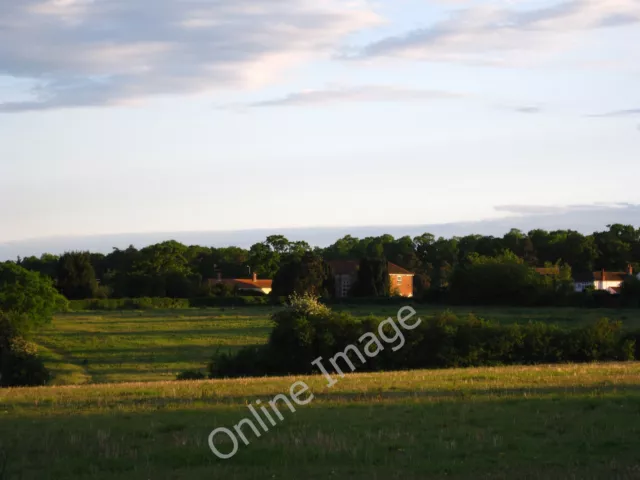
346,273
252,285
603,280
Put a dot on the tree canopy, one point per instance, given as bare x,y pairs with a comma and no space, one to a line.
27,299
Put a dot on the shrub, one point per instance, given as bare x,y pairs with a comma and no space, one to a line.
190,375
307,330
19,365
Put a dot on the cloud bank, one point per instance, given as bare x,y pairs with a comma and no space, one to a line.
101,52
583,218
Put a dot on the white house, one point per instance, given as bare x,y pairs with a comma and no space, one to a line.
603,280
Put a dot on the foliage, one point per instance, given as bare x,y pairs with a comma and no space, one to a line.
304,333
305,274
19,364
172,269
28,299
76,277
373,278
506,279
190,375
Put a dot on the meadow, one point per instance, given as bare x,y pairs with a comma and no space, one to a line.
561,421
156,345
121,414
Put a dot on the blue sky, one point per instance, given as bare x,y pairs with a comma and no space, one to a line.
121,116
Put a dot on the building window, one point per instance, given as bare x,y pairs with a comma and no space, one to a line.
399,279
346,286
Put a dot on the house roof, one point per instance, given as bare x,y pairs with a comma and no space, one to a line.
350,267
249,283
343,267
396,270
610,276
245,283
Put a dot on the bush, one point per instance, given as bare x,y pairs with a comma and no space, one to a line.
190,375
307,330
143,303
19,365
151,303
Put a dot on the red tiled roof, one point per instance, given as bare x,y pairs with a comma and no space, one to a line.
243,283
350,267
610,276
249,283
344,267
396,270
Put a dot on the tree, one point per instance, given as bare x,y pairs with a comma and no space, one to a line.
46,265
373,278
76,276
504,279
306,275
264,260
27,299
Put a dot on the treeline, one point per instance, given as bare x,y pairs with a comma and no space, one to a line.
307,331
459,269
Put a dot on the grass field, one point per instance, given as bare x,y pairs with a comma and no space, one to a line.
513,422
144,346
107,347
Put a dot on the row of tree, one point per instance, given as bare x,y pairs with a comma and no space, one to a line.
171,269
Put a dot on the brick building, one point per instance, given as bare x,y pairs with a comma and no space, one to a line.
346,272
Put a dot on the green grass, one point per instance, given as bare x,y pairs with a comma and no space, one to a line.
109,347
562,421
144,346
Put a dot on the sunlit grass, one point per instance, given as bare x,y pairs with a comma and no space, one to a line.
144,346
560,421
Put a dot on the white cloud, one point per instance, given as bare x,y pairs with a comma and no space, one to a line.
490,34
352,94
97,52
619,113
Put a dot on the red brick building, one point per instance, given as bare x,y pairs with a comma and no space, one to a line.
346,272
400,280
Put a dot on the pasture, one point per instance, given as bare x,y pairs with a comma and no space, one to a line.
132,346
561,421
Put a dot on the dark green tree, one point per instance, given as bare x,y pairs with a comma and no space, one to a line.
308,274
373,278
76,277
27,299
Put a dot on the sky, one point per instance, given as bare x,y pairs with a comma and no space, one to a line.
133,116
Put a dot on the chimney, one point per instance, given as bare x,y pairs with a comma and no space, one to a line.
255,277
630,270
604,274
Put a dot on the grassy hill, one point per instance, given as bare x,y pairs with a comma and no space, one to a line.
568,421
